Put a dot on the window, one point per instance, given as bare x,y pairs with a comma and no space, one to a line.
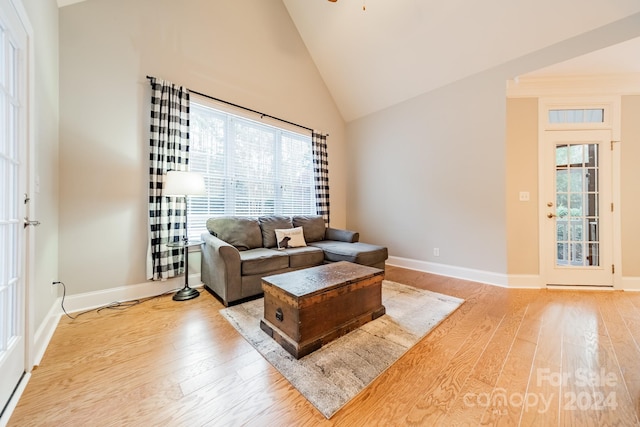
250,168
580,115
577,201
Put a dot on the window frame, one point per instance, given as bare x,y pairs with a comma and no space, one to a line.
228,181
609,109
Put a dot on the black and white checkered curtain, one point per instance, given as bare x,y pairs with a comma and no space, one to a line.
168,150
321,173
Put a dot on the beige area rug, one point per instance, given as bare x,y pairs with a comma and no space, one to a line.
333,375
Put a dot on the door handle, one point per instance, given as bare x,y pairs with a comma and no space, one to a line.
28,222
551,215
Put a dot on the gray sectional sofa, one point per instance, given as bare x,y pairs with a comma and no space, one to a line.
238,251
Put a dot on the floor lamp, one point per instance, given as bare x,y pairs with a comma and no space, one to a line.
184,184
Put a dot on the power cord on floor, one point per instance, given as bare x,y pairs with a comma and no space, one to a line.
116,305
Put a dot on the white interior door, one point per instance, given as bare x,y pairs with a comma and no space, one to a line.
13,181
577,219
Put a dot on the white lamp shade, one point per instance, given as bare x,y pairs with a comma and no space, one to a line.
177,183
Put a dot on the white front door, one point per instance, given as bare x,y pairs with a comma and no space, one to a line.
577,218
13,184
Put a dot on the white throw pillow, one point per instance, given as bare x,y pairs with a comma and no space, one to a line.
290,237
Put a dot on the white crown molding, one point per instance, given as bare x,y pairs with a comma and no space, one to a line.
578,85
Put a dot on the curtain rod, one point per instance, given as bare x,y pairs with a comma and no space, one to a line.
246,109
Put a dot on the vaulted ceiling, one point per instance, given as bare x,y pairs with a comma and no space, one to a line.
398,49
373,54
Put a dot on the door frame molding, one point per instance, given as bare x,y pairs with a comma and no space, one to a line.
29,237
30,243
30,185
612,106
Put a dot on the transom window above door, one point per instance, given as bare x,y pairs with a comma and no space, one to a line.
576,115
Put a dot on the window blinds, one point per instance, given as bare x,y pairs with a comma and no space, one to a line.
250,168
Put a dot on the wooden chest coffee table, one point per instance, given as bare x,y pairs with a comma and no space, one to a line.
306,309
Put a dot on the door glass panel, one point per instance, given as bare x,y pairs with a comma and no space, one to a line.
12,140
2,56
592,179
591,160
575,206
576,154
561,155
576,180
12,67
592,205
562,253
562,202
576,231
594,253
577,214
3,133
576,254
562,180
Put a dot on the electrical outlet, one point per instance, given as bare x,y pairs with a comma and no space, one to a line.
436,251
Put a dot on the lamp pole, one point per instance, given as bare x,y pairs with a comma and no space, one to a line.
184,184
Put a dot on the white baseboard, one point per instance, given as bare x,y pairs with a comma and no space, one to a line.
488,277
90,300
631,283
516,281
45,332
525,281
532,281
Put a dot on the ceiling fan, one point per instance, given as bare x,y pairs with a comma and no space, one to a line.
364,7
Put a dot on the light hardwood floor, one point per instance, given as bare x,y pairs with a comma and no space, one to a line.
505,357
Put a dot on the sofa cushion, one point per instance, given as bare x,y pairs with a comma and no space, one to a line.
307,256
359,253
268,225
243,233
313,226
290,238
262,260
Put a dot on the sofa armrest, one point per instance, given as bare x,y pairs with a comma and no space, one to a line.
220,268
341,235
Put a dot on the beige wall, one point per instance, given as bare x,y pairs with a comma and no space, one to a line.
43,15
247,52
522,175
630,186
